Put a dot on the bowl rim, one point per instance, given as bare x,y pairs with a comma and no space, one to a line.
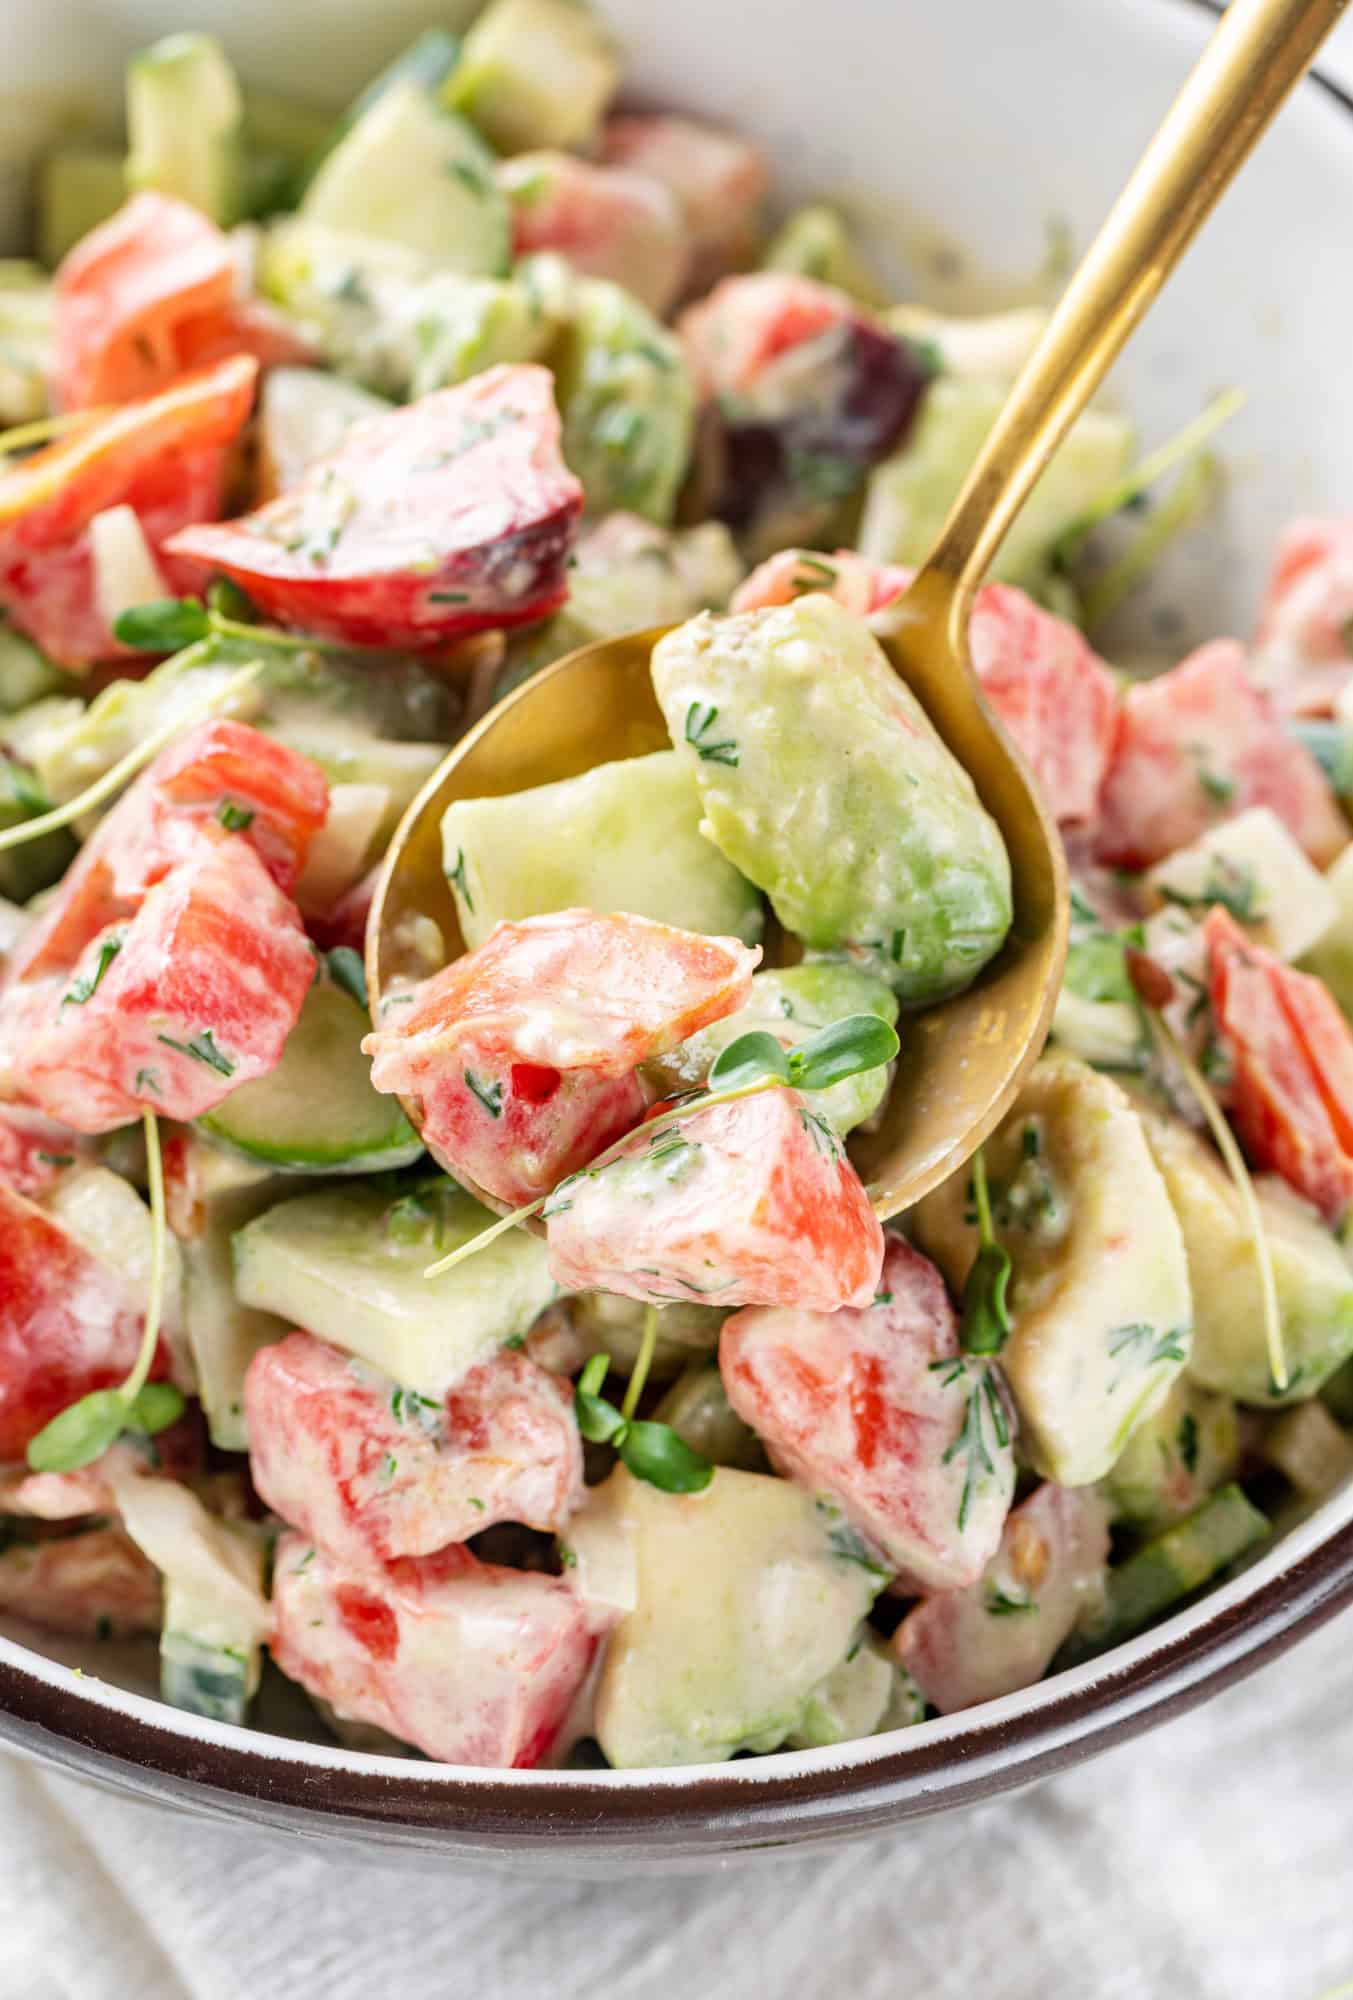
600,1819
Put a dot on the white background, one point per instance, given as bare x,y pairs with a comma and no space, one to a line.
1212,1860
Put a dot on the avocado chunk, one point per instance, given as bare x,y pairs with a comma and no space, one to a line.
1313,1280
1099,1290
825,783
185,124
910,493
347,1265
1175,1458
622,837
741,1604
78,188
535,73
420,176
627,401
317,1112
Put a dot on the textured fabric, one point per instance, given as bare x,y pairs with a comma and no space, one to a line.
1209,1861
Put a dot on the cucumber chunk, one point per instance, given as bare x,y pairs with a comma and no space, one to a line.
317,1112
535,73
1175,1563
624,836
185,124
347,1265
27,322
417,175
304,414
816,243
627,400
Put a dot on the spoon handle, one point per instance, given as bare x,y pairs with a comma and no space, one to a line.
1259,51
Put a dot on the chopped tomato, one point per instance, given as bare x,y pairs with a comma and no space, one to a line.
472,1663
1055,696
1302,651
523,1054
69,1322
1292,1058
218,774
370,1471
170,1011
96,1584
164,457
1000,1634
149,295
1199,745
451,516
719,179
34,1151
748,1203
608,222
859,1406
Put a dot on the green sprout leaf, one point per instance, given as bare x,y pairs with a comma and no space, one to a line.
348,973
155,1408
843,1049
749,1059
654,1452
985,1325
165,625
80,1434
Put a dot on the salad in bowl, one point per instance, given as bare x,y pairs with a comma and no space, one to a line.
518,1364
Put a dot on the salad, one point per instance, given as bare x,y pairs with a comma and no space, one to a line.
519,1367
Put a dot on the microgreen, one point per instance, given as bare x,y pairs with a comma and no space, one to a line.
84,1430
652,1452
985,1324
347,972
168,624
982,1408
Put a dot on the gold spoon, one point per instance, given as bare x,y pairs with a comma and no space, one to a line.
964,1059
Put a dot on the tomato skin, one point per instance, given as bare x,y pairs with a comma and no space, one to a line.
1292,1058
68,1322
451,516
149,296
853,1404
861,586
577,997
720,181
607,221
370,1472
89,1585
165,457
763,1208
472,1663
1302,653
1202,743
205,986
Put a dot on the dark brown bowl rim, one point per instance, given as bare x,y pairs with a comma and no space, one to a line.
604,1821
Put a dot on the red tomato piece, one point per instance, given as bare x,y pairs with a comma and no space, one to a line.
274,799
1000,1634
748,1203
34,1151
1198,745
454,515
719,179
165,458
91,1585
1302,652
607,221
68,1322
370,1471
472,1663
577,996
858,1405
193,996
1055,696
1292,1059
149,295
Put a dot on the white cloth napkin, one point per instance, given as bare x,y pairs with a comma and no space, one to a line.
1208,1861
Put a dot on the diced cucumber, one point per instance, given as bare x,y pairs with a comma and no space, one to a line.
304,414
698,1410
344,848
25,674
215,1613
986,347
417,175
1331,958
27,318
627,400
816,243
185,124
623,836
35,864
910,494
106,1213
1175,1563
78,188
1173,1460
428,60
455,327
348,1264
535,73
344,285
125,572
1310,1449
867,1693
1337,1394
317,1112
1290,903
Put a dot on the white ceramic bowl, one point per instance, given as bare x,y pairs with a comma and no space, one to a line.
974,126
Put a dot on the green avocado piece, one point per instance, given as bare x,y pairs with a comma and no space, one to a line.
824,782
627,402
